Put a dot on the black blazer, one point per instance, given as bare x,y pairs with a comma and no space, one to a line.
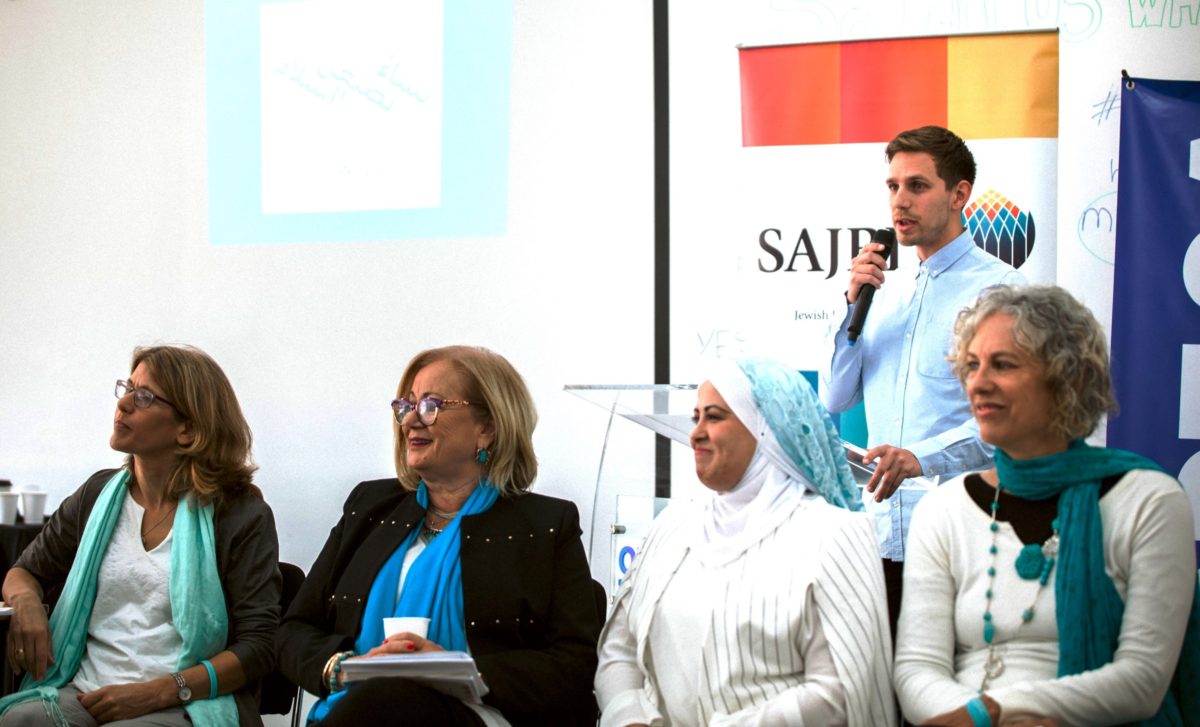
528,601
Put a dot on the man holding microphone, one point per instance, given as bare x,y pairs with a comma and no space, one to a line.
918,419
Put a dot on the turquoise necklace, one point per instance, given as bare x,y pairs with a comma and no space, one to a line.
1033,562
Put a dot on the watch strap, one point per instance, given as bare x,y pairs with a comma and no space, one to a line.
185,692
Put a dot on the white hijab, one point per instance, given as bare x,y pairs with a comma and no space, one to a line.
770,488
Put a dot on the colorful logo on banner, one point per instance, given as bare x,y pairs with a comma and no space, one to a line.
1000,227
1156,281
998,86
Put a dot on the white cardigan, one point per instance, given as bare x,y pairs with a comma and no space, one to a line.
940,651
752,645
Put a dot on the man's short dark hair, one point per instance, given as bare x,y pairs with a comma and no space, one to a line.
950,154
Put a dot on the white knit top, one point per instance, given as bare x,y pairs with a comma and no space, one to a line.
940,651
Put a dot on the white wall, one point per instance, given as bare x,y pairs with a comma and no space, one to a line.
103,246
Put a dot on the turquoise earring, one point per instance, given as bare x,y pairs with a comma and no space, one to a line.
481,455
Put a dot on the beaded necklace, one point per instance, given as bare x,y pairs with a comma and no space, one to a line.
1034,561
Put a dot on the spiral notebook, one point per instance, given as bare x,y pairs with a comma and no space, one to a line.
449,672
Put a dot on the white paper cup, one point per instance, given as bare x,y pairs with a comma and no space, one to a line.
405,624
8,507
33,507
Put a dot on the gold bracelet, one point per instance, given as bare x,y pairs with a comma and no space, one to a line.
332,667
328,668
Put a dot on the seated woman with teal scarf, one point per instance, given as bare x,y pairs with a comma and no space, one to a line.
1059,587
168,567
458,539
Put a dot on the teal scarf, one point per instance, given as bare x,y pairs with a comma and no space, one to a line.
1087,603
433,588
197,602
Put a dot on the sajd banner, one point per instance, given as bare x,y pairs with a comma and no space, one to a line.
809,188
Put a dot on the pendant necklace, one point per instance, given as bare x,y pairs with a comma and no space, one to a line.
156,525
1034,562
429,532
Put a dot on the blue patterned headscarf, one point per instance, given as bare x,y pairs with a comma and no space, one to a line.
803,429
792,428
797,455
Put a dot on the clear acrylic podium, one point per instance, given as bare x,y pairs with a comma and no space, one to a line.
623,504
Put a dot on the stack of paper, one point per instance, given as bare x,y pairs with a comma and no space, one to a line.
449,672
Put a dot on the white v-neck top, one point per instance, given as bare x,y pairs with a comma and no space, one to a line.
131,636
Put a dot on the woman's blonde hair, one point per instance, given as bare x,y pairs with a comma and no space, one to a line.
1061,333
215,466
500,395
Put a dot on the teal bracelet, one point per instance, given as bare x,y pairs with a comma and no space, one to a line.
979,713
212,678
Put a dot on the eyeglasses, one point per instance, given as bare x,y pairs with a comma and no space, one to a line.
427,408
142,398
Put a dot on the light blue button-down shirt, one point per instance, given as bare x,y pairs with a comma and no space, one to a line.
899,365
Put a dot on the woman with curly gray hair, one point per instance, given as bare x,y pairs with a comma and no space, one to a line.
1060,586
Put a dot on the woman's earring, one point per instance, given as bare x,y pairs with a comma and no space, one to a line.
481,455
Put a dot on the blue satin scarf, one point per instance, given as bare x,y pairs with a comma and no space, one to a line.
1087,603
197,602
432,589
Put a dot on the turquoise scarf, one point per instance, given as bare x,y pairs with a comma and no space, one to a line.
433,588
1087,603
197,602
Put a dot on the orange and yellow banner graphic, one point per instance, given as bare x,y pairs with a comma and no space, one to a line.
981,86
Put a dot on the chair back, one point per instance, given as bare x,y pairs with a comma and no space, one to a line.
279,692
601,597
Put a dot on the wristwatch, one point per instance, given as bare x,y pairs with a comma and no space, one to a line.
185,692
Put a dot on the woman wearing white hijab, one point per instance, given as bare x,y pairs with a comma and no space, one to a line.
763,604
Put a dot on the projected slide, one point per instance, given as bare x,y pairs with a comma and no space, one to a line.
338,120
365,79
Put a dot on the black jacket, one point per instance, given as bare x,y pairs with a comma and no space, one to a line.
529,603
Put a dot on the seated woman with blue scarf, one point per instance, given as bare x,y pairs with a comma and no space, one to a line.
458,539
168,566
1059,587
763,603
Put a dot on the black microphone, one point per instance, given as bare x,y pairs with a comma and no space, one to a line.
886,236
